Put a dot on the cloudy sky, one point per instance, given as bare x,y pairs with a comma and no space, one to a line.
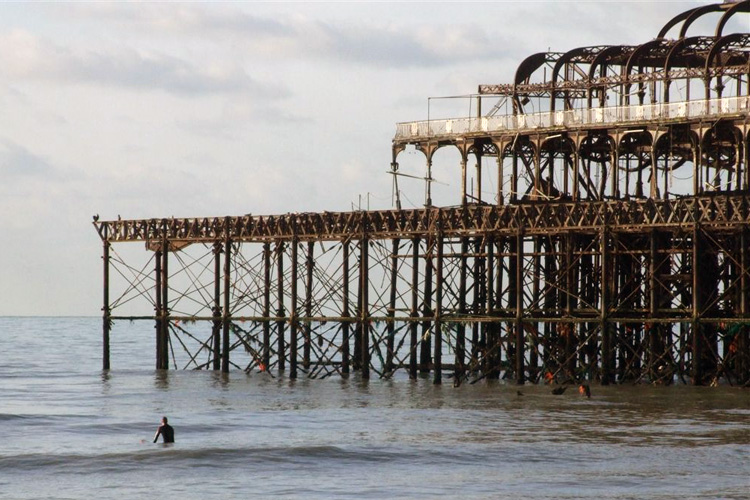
161,109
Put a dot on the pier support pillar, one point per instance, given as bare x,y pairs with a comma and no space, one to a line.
438,325
307,332
606,284
458,370
364,287
345,313
390,342
293,315
227,314
106,322
427,314
266,355
413,325
164,362
520,369
157,305
280,312
217,309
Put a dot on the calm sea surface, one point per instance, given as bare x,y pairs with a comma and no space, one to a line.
68,430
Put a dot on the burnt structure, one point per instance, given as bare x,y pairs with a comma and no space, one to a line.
615,249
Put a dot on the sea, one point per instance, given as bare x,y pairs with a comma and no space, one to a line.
69,430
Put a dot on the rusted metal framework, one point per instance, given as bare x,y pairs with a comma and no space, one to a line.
592,263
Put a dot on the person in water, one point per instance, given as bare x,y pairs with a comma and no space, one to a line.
165,431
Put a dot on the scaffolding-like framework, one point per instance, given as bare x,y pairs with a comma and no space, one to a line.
595,264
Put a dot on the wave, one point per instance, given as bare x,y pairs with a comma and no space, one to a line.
214,457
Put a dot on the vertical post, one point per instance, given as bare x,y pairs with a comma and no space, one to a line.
310,263
479,178
500,197
489,362
280,313
105,300
607,352
424,354
743,271
345,325
438,326
514,174
514,289
500,247
697,344
458,372
551,290
537,171
217,309
463,179
413,325
535,301
357,355
165,304
653,303
566,173
266,305
392,308
293,315
571,293
697,168
665,194
428,184
226,317
615,187
576,181
520,377
157,306
476,277
364,277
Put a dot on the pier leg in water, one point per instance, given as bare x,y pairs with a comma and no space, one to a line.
414,314
438,326
425,356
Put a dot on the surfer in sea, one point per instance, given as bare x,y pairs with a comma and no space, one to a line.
165,431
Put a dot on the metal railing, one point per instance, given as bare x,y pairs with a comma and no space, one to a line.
572,119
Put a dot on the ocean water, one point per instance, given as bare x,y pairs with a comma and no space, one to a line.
70,431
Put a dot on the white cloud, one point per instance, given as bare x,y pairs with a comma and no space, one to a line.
17,161
24,56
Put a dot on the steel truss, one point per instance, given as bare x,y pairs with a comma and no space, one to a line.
537,291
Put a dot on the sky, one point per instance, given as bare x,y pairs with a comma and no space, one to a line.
164,109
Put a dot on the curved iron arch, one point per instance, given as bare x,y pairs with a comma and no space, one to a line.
690,52
620,53
739,40
651,54
674,21
532,63
524,71
697,14
584,55
739,7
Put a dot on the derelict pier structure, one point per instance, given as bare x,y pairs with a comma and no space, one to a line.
615,247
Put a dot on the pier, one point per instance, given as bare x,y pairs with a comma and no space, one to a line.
615,249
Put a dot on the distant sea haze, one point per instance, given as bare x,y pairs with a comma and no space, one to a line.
72,431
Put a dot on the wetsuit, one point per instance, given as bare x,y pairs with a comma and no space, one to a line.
166,432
